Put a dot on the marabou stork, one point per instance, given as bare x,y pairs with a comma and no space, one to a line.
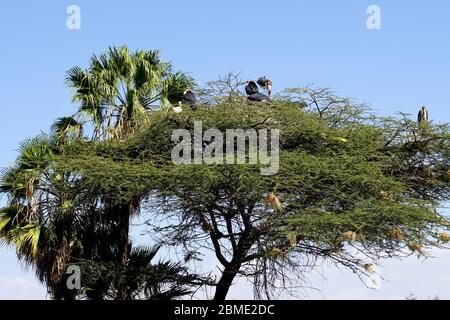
422,117
259,97
187,98
251,88
252,91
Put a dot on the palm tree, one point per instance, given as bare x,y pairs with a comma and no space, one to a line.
64,129
49,221
38,219
119,87
115,93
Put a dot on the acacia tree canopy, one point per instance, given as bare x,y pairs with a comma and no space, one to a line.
351,187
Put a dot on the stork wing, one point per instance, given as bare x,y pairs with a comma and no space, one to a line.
188,98
263,82
258,97
251,88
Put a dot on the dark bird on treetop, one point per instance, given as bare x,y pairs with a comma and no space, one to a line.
253,93
422,117
259,97
265,84
251,88
188,97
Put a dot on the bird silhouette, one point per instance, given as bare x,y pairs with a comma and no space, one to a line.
422,117
187,98
251,88
253,94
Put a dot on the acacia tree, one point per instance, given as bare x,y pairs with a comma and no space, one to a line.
351,188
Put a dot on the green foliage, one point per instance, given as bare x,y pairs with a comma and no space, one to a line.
331,179
349,183
23,235
143,279
118,87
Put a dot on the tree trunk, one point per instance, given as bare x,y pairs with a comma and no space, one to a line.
123,219
124,229
225,282
240,251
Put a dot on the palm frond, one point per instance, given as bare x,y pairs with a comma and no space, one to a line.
26,238
7,179
75,77
120,61
13,230
64,125
143,255
174,85
149,70
7,216
34,153
99,63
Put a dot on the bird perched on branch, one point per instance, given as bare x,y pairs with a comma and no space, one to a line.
259,97
252,91
187,98
265,84
251,88
422,117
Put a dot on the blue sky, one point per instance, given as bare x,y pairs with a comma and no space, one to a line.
404,65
